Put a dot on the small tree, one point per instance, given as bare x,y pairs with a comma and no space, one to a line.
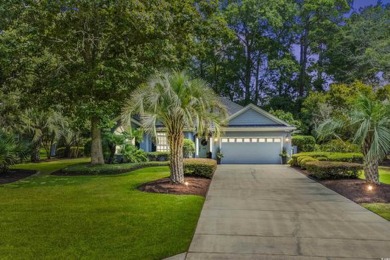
179,103
371,121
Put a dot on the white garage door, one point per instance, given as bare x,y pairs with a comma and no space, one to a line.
243,150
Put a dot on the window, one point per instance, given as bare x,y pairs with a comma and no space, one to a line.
269,140
232,140
239,140
224,140
247,140
261,140
162,143
277,140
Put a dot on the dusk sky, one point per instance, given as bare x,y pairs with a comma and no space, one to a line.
361,3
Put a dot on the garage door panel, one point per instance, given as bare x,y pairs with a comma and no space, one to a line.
251,153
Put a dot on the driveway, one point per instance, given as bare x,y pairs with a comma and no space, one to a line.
275,212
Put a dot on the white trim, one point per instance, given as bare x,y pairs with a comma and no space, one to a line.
260,111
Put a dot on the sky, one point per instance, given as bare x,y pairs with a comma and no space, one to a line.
361,3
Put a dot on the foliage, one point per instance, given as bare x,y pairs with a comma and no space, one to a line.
370,120
200,167
188,148
8,151
74,152
106,212
360,50
327,156
133,155
179,103
158,156
305,143
333,170
337,145
219,153
286,117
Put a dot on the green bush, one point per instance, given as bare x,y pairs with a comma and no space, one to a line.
73,152
188,148
106,169
132,154
304,143
327,156
158,156
200,167
333,170
8,151
338,145
305,160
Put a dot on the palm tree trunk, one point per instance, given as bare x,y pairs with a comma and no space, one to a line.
371,171
96,147
176,142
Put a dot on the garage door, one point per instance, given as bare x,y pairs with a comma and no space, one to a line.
251,150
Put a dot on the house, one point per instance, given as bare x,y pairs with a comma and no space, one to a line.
251,136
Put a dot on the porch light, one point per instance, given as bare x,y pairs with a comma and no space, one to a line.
287,139
215,139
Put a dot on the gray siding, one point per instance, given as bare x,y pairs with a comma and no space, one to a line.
251,117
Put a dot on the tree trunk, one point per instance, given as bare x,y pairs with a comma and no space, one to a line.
176,142
371,171
96,147
35,156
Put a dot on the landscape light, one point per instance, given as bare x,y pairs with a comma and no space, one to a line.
186,183
370,188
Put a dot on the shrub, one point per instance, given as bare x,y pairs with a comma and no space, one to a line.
338,145
304,143
305,160
327,156
333,170
158,156
8,151
200,167
72,152
132,154
188,148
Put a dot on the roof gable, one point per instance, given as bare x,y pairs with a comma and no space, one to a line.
252,115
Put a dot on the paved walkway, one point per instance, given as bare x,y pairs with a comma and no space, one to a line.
274,212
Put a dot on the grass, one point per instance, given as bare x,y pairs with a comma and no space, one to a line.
382,209
384,175
93,217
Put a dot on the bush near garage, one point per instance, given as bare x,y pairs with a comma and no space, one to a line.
339,146
200,167
333,170
304,143
327,156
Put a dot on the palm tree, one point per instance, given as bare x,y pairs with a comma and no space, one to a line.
370,120
179,103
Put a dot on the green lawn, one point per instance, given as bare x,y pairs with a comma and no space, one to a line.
93,217
382,209
384,175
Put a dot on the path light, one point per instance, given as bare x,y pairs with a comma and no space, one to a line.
186,183
370,188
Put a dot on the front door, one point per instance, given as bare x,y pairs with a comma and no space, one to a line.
203,147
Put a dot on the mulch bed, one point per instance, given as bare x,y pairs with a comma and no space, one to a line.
196,186
356,189
15,175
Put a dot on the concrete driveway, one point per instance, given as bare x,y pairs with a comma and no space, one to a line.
275,212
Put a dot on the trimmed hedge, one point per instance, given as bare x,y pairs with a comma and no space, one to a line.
304,143
200,167
328,156
106,169
333,170
158,156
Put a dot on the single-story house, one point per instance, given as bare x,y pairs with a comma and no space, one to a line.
251,136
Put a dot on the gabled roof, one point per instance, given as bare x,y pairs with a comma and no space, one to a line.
278,122
231,107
